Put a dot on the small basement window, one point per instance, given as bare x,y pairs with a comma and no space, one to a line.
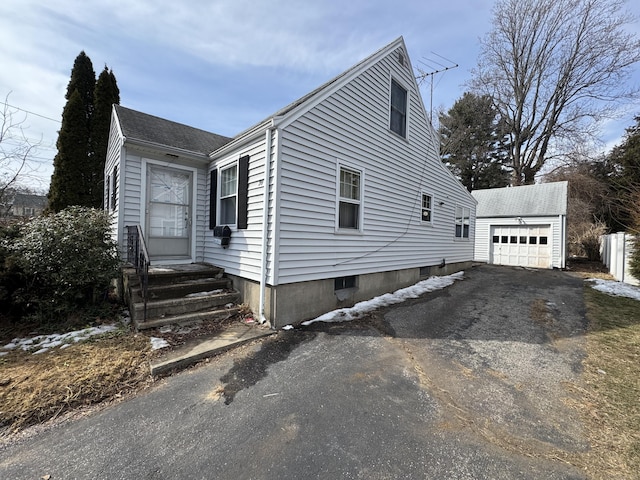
342,283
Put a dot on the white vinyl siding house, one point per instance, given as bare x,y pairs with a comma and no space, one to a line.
336,189
522,226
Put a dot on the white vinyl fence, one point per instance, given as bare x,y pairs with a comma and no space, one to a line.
615,250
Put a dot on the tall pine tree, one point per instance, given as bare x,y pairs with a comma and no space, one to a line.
71,158
472,146
106,94
82,141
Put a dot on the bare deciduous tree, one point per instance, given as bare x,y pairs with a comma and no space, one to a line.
554,68
16,151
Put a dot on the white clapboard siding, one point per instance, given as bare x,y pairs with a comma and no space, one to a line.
200,218
243,255
112,161
351,128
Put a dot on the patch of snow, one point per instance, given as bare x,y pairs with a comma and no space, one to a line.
288,327
414,291
158,343
204,294
612,287
43,343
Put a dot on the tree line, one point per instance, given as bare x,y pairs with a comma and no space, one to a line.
549,74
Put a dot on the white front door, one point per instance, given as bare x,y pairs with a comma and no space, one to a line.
524,246
168,213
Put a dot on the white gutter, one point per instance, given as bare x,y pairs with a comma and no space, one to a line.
265,225
563,241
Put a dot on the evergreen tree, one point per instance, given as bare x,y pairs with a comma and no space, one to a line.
623,177
83,79
106,94
71,158
472,146
82,141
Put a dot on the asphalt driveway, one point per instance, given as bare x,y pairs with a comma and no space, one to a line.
469,382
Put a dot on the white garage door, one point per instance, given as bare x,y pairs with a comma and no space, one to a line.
525,246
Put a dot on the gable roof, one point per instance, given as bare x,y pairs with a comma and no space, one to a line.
150,129
295,109
544,199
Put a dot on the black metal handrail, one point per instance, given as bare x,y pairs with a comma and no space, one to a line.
138,256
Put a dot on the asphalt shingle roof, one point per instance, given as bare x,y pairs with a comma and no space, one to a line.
148,128
544,199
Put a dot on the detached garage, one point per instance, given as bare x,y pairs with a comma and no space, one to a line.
522,226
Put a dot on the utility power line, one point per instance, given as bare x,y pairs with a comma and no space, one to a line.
31,113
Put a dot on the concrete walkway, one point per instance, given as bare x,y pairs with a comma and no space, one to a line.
204,347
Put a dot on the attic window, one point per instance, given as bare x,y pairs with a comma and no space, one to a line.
401,58
398,123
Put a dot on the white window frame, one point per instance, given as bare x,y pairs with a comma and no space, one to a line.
402,85
424,194
340,198
460,219
221,169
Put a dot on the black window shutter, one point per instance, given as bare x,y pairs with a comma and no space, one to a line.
213,203
243,192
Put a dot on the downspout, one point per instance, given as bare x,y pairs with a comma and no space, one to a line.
563,242
265,225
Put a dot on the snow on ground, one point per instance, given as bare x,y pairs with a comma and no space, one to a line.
158,343
414,291
43,343
612,287
204,294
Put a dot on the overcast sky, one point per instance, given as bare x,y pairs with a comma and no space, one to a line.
223,65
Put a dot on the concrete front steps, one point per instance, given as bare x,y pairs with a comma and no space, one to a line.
180,294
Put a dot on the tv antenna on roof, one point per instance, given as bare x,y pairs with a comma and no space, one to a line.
434,67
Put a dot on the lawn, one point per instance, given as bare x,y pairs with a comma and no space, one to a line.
38,387
611,387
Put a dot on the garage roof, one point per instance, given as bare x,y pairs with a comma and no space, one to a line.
544,199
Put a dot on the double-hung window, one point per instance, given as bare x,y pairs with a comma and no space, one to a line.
398,122
350,199
427,208
462,221
228,194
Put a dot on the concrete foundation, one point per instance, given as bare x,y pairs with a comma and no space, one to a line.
296,302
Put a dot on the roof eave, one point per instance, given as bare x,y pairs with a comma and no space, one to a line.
169,150
242,138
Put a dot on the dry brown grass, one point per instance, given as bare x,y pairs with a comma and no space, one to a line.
610,394
36,388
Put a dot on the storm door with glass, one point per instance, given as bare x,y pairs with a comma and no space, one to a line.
168,226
